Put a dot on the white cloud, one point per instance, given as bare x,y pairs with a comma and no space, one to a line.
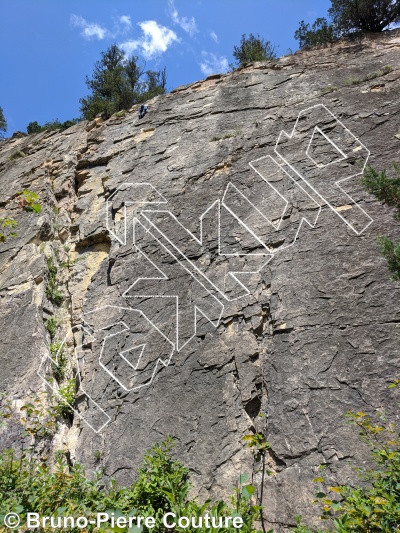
214,36
154,41
125,20
90,30
187,24
211,64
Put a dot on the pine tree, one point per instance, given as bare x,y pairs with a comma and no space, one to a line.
119,82
3,124
321,32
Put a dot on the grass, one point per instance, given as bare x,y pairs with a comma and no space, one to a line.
228,135
328,89
371,76
17,155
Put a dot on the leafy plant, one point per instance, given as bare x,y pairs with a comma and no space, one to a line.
7,224
67,393
257,441
59,360
29,201
38,420
51,326
53,292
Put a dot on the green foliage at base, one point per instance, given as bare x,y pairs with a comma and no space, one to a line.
374,507
386,190
162,485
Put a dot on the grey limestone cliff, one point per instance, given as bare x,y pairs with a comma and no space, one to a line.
217,280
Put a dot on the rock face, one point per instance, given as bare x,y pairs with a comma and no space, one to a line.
216,279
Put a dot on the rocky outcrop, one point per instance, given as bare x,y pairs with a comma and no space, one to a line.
216,280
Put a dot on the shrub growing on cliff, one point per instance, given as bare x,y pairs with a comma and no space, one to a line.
35,127
119,82
253,48
386,190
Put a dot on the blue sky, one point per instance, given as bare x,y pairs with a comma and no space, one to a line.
49,46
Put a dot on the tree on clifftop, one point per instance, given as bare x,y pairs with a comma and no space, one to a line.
321,32
253,48
363,15
119,82
3,124
346,17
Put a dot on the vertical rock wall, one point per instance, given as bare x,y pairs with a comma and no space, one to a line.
208,298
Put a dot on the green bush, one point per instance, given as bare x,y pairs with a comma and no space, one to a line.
388,191
253,48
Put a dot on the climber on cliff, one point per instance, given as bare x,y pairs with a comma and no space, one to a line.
143,110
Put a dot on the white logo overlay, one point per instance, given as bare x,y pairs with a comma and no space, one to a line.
178,280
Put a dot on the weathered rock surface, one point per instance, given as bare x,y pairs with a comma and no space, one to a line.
313,333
